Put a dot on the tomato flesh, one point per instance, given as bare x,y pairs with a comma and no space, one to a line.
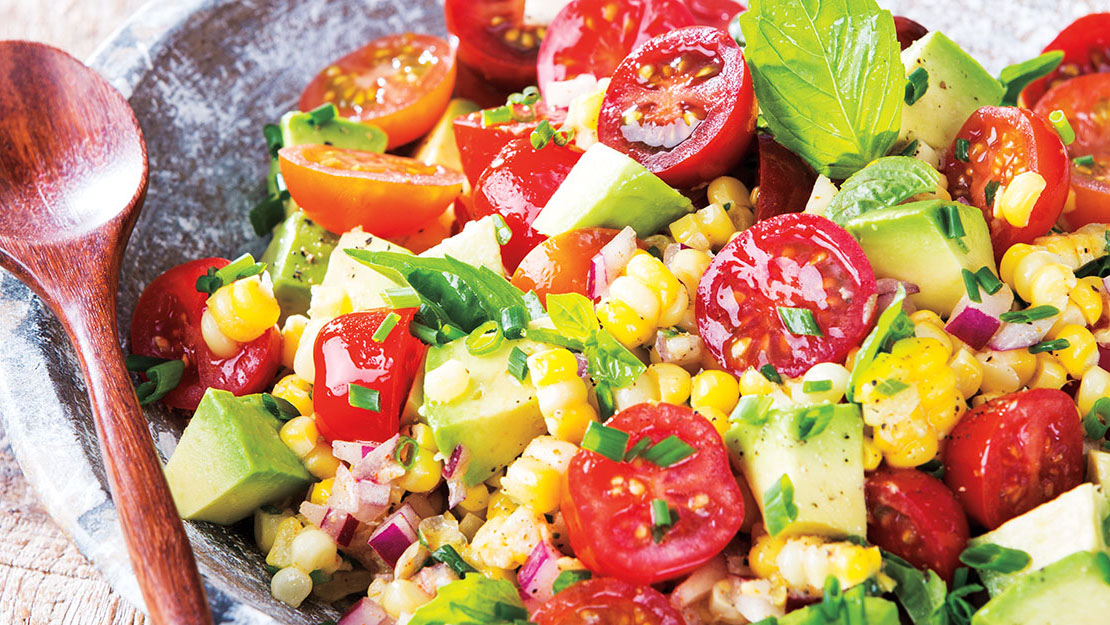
1086,46
1006,141
715,13
682,105
607,601
494,40
914,516
346,353
607,504
785,180
794,261
399,83
1014,453
908,31
479,144
561,264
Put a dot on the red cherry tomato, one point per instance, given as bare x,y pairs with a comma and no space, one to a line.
608,517
785,180
346,353
1085,101
607,601
793,261
479,144
166,324
914,516
1004,142
1014,453
494,40
561,264
908,31
399,83
517,185
594,36
715,13
682,105
1086,46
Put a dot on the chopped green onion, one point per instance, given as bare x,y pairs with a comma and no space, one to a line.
319,577
514,321
161,379
280,408
496,116
563,137
637,449
661,519
269,509
1063,127
668,451
518,364
1097,420
266,215
382,333
917,83
606,441
1087,161
135,362
528,96
485,339
447,555
990,191
279,186
961,148
971,284
986,278
799,321
991,557
606,403
451,333
753,409
406,442
891,387
910,149
502,229
813,420
274,142
816,386
428,336
542,135
242,267
364,397
779,509
253,270
401,297
569,578
1029,315
832,599
951,222
507,612
771,373
534,306
322,114
1049,346
656,252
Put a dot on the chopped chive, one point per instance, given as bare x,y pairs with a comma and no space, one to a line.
518,364
401,297
563,137
502,229
971,284
952,223
569,578
1084,161
816,386
542,135
661,519
253,270
799,321
779,509
236,269
514,321
509,613
161,379
282,409
280,187
992,557
986,278
382,333
266,215
1029,315
496,116
990,191
961,148
606,441
450,332
447,555
771,373
917,83
1097,420
637,449
406,442
910,149
1063,127
485,339
364,397
656,252
813,420
753,409
428,336
274,142
527,97
1049,346
668,451
322,114
137,363
891,387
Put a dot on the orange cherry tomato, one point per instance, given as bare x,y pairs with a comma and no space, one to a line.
385,194
399,83
560,264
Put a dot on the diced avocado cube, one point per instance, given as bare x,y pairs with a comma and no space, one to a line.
1098,469
439,147
358,285
608,189
1071,522
475,245
299,129
494,418
908,243
826,469
1072,591
230,460
297,259
876,611
958,86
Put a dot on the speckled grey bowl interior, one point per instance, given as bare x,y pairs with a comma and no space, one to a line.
203,77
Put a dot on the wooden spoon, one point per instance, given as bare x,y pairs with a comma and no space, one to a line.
73,175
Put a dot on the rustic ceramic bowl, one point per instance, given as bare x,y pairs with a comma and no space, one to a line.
203,77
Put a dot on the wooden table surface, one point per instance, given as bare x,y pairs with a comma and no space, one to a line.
44,580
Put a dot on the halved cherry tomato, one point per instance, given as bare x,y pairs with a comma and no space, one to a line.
399,83
479,144
517,185
908,31
607,505
1014,453
715,13
682,105
1086,46
494,40
914,516
607,601
346,353
1086,103
1006,141
785,180
385,194
166,324
561,264
793,261
594,36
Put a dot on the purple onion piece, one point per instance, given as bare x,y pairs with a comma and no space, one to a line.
973,326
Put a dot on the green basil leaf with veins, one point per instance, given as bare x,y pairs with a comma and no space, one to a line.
573,315
887,182
1015,78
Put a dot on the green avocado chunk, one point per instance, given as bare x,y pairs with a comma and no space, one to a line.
230,460
607,189
907,242
876,611
299,129
826,469
297,259
1072,591
1098,469
494,418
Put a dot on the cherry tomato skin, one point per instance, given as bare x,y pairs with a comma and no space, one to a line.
494,40
607,601
610,526
785,180
346,353
914,516
908,31
795,261
1012,140
715,13
561,264
1084,101
1086,46
479,144
1014,453
594,36
721,98
404,108
517,185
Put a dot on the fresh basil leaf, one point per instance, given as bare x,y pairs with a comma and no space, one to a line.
828,77
611,362
992,557
573,315
887,182
552,337
282,409
569,578
1015,78
922,594
472,600
894,324
779,509
752,409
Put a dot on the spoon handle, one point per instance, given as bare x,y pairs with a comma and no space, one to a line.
160,553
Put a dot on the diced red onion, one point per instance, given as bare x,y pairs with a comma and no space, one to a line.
700,582
888,287
365,612
432,578
392,537
583,366
680,349
973,326
1021,335
351,452
458,457
313,512
380,465
410,515
365,499
671,250
340,526
539,571
453,471
609,262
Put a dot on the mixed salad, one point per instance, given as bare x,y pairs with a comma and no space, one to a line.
664,312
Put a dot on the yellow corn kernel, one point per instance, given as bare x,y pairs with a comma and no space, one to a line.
669,294
687,231
1076,248
1081,353
673,382
220,345
244,309
871,454
715,224
716,417
1015,202
1094,386
500,504
477,498
688,265
1006,371
925,315
1087,296
763,556
714,389
1040,278
570,423
642,390
403,597
425,472
446,382
300,435
320,462
296,391
280,552
1050,373
321,491
569,392
291,586
1007,268
728,191
629,327
291,334
969,373
533,484
934,330
312,549
752,382
834,373
552,365
424,436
